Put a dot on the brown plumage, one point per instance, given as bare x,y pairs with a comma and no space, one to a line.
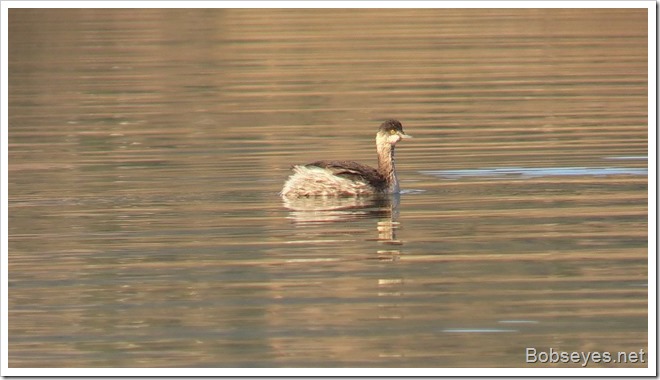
353,171
337,178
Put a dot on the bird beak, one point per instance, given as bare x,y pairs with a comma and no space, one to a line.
405,136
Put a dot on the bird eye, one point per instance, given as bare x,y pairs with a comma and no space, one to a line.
392,131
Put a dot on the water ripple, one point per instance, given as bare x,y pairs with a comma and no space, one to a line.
535,172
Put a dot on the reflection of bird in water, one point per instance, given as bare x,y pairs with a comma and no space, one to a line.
347,178
312,210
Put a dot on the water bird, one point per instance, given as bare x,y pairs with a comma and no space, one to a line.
350,178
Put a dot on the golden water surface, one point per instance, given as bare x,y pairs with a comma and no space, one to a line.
147,149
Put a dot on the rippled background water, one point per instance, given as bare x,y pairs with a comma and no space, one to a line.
147,148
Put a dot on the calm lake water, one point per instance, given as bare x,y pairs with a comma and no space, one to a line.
147,149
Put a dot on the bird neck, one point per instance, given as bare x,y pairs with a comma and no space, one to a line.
386,165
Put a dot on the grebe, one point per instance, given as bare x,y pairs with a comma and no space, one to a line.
348,178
